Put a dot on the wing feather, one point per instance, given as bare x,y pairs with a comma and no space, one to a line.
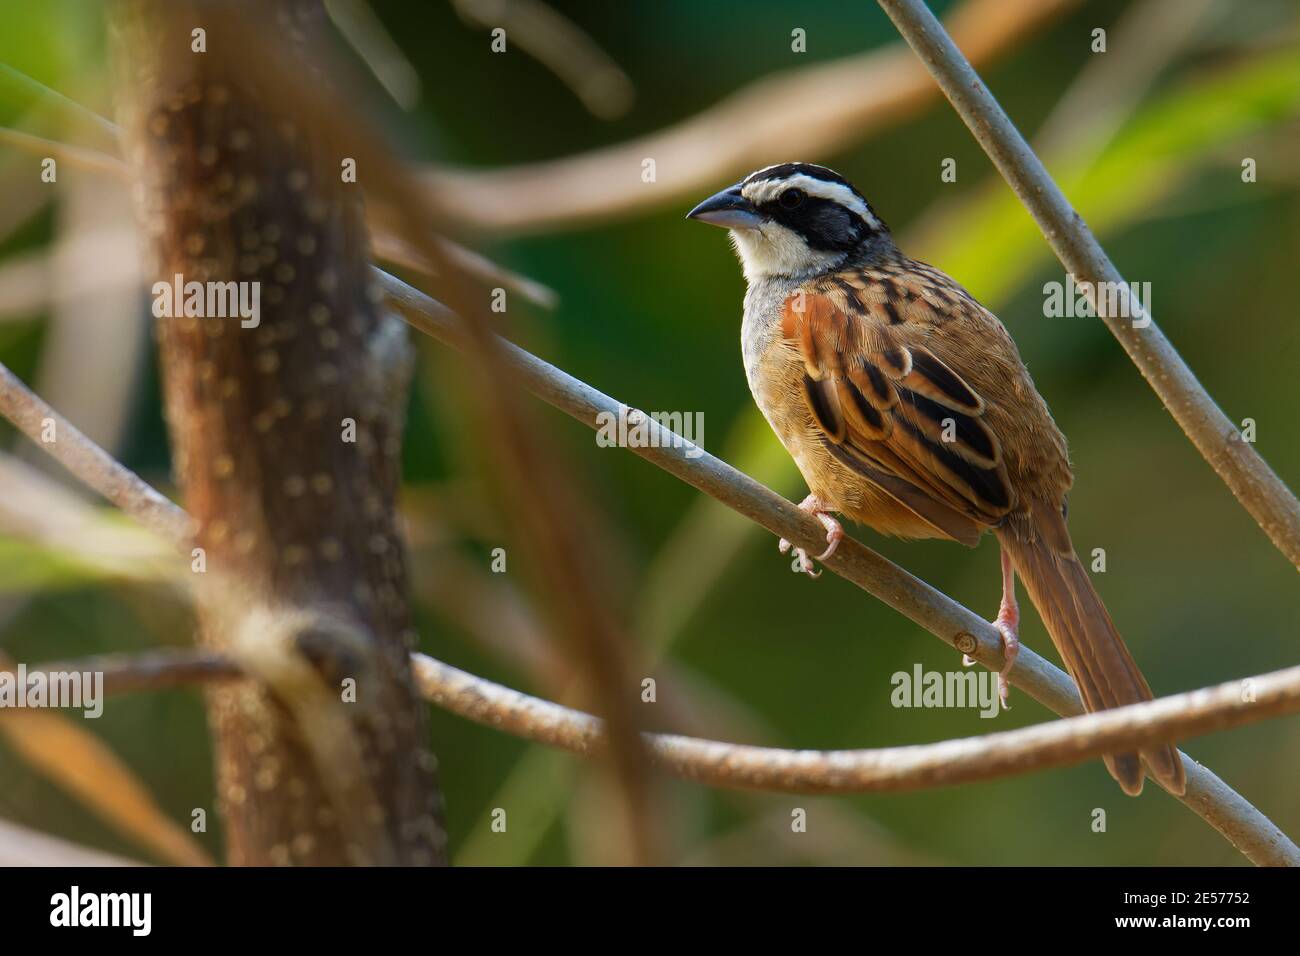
890,408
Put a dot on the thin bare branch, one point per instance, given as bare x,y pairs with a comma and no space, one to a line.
716,763
87,461
151,670
36,508
377,49
1243,470
831,104
387,246
1058,743
561,46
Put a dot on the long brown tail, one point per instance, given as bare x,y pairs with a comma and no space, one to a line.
1087,640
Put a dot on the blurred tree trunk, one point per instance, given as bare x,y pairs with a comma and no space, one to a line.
286,438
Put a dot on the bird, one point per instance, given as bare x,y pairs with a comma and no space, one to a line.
907,408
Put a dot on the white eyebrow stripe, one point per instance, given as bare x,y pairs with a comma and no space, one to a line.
768,189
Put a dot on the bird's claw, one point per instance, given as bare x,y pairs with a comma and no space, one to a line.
802,563
1006,626
1010,648
834,534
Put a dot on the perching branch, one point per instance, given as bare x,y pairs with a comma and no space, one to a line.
831,104
1218,804
1243,470
1059,743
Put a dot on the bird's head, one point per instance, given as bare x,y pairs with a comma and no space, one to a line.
794,219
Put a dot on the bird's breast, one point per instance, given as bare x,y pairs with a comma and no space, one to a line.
774,370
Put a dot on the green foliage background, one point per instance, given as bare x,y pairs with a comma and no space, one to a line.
649,313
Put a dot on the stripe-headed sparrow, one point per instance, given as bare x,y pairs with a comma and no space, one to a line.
906,406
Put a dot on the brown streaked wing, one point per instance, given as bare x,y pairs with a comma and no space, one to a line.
895,412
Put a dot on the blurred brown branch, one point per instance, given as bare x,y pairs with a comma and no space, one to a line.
545,511
323,759
551,525
831,105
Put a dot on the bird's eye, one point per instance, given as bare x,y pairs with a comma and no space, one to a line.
791,198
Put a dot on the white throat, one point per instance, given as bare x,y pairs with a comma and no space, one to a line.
775,250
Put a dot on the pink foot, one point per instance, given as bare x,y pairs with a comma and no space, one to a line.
834,534
1008,624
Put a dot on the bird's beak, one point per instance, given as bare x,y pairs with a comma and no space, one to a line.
728,209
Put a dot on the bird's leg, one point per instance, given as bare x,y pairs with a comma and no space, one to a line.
1008,624
818,509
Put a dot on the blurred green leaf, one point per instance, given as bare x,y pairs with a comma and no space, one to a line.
25,566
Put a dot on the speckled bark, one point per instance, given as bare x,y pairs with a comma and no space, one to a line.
297,523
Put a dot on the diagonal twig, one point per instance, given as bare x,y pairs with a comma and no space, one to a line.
1260,491
85,459
560,45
